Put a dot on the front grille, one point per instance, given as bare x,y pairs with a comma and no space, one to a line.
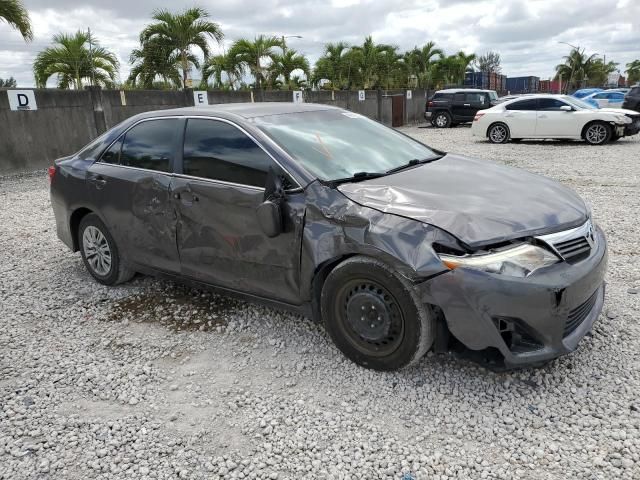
578,314
574,250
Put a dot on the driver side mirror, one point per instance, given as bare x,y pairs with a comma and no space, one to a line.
269,212
566,108
269,218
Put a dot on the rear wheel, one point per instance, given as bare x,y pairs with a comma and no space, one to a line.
373,315
100,253
598,133
498,133
442,120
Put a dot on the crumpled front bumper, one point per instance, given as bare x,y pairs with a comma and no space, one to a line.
529,320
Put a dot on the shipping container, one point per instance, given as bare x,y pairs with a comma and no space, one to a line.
476,79
523,84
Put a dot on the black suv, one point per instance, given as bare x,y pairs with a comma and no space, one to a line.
448,108
632,99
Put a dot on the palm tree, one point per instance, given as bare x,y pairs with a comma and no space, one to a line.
74,64
331,65
218,65
368,58
423,58
576,68
14,13
633,72
253,54
157,60
391,71
283,65
181,31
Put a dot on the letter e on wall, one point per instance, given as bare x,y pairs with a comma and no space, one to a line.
200,98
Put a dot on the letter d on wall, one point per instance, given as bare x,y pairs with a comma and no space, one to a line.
22,100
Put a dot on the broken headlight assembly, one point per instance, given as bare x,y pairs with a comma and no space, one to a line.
519,261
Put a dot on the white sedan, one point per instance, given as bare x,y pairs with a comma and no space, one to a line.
554,116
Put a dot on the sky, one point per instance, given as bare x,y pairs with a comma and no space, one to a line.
527,34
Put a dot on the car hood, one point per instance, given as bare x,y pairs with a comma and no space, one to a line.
477,201
618,111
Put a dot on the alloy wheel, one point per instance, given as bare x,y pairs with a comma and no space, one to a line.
96,250
441,121
498,134
596,134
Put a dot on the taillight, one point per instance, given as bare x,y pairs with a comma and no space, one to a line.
430,104
478,117
52,171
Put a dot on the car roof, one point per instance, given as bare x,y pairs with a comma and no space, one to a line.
245,110
462,89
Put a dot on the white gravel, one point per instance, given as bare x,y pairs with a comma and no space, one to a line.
154,380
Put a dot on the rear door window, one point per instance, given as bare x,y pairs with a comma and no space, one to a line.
476,98
150,145
550,104
458,98
531,104
220,151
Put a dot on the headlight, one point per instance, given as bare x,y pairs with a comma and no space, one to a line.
519,261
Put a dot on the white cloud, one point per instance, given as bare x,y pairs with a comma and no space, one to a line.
525,33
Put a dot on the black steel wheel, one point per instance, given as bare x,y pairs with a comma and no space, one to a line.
373,315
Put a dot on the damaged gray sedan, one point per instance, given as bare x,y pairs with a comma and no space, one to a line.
396,247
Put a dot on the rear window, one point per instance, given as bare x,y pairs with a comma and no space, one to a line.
635,91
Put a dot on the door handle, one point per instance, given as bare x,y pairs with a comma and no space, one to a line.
467,104
98,180
542,116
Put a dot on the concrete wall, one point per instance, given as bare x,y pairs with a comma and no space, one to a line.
67,120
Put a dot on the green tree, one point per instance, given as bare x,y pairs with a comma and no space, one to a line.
74,64
576,68
633,72
450,70
8,83
284,64
254,54
599,72
181,32
14,13
222,65
332,66
157,64
489,62
367,57
421,62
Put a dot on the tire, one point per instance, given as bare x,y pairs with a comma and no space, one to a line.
401,329
498,133
597,133
442,120
100,252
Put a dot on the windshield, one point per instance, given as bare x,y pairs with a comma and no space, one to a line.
579,104
336,144
493,95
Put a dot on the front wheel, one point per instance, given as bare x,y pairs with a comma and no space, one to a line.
100,253
498,133
598,133
374,316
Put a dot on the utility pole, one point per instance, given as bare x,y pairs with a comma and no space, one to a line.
93,79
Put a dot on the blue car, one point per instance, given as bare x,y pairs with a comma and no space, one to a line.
605,99
583,92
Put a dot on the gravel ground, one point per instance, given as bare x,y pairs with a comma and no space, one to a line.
154,380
